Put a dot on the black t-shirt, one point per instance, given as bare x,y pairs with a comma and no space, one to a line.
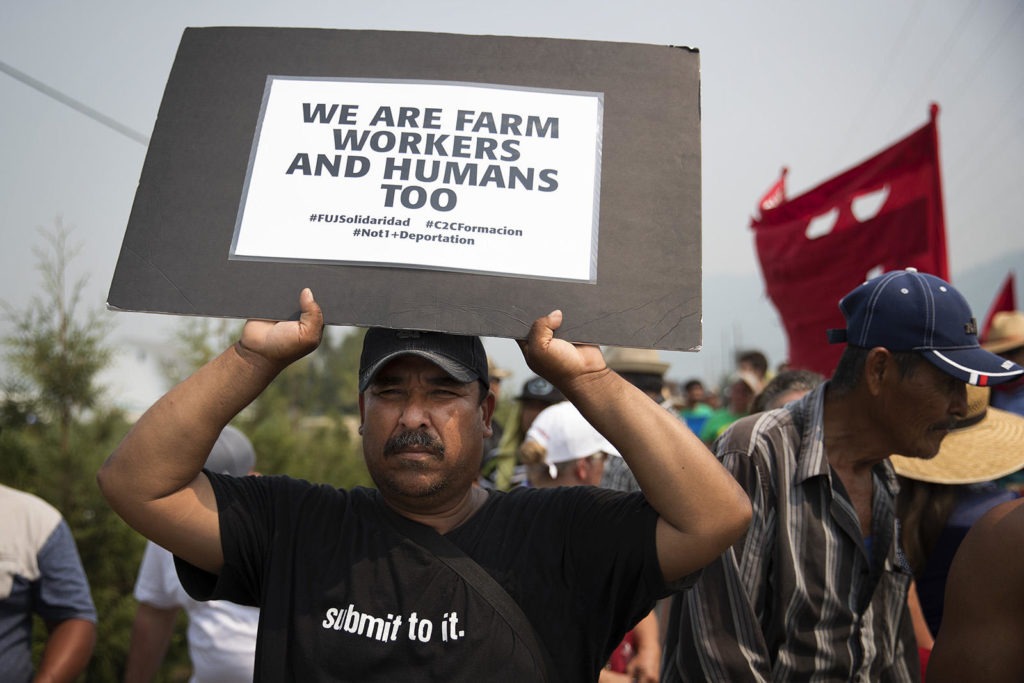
345,597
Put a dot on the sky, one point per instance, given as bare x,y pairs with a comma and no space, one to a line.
813,86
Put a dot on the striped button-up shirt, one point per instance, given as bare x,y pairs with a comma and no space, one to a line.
802,597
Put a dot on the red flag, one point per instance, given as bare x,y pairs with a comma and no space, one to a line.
776,194
1004,301
883,214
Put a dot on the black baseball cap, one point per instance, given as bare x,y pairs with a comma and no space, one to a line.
539,389
462,357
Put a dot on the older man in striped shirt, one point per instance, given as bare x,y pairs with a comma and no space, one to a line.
816,590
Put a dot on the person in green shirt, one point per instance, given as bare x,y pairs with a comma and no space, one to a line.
740,393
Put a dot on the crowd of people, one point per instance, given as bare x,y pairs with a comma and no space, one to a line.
617,526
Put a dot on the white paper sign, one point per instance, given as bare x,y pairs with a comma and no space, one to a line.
437,175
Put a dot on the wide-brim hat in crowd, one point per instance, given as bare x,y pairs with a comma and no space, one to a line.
1007,332
566,435
641,361
539,389
496,373
904,310
986,444
752,381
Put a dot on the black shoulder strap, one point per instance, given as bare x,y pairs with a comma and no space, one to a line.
477,577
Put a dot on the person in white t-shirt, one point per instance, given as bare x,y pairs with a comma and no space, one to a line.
221,634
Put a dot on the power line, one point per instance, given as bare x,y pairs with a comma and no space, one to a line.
956,32
1006,25
988,143
991,132
74,104
890,59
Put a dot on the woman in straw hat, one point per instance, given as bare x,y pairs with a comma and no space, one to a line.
941,498
1006,338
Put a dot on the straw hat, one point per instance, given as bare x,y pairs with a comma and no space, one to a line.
494,372
987,444
644,361
1007,332
752,381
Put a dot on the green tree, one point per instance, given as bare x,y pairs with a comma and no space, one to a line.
198,340
57,431
305,423
57,355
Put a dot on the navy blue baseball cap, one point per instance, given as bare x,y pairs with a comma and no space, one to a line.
462,357
904,310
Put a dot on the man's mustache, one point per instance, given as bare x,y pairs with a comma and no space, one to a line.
405,440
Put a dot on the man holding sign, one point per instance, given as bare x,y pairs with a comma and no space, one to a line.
386,584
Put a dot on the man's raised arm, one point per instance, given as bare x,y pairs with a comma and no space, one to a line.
703,510
154,479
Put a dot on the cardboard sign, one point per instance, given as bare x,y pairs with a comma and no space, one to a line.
467,184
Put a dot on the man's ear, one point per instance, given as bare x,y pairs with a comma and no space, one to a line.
487,412
878,367
362,412
582,469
